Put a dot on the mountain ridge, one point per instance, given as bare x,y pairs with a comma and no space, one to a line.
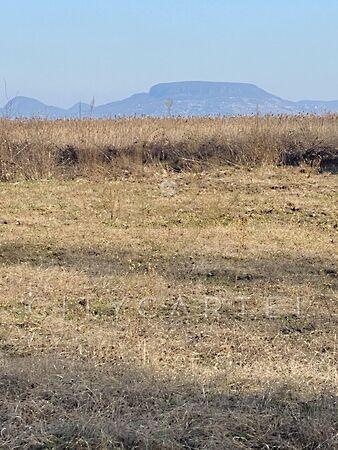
187,98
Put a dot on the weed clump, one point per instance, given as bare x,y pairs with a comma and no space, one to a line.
67,156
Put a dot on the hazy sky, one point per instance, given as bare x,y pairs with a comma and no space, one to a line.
62,51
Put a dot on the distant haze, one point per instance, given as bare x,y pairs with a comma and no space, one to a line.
67,51
185,98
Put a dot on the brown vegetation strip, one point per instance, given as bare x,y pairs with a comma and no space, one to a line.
33,149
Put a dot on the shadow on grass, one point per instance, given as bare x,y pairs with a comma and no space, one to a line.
60,404
216,269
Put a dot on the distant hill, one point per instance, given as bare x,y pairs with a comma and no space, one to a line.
29,107
80,109
188,98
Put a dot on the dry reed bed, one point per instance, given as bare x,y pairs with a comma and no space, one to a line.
34,149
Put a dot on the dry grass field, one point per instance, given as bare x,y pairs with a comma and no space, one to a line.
168,284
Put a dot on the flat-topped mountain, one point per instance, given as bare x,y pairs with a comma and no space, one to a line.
184,98
207,89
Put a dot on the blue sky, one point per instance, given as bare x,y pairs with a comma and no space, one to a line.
62,51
